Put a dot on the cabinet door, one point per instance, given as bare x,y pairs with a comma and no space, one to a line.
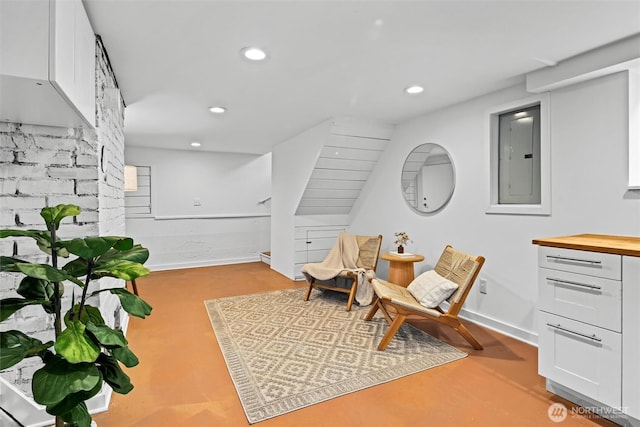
24,39
72,64
320,242
581,357
313,244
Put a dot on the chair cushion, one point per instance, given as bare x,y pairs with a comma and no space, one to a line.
400,296
430,289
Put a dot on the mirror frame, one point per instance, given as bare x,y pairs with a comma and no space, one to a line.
418,154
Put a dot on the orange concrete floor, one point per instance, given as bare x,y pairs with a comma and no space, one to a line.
182,379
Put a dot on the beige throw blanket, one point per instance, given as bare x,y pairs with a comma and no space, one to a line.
343,257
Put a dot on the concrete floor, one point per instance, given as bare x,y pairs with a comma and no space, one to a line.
182,379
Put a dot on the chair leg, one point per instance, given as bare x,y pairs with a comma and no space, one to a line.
308,293
462,330
352,294
374,308
134,286
391,332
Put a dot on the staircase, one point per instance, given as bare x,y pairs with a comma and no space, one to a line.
349,154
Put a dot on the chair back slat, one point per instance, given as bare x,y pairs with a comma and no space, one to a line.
460,268
369,251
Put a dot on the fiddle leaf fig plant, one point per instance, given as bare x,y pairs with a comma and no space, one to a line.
86,352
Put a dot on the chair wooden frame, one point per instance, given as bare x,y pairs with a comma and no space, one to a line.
350,276
398,305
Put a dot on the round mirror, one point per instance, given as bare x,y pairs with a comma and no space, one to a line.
428,178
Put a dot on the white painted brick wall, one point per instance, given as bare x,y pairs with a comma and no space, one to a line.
6,156
109,129
44,166
86,173
14,171
44,157
39,187
45,141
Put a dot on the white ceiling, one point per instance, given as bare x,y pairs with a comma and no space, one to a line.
175,58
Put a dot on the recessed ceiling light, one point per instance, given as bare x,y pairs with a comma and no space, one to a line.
414,90
195,144
254,53
217,110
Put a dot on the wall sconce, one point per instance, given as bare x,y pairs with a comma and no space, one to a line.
130,178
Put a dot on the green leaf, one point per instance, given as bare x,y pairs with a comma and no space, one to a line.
137,253
42,238
16,233
38,289
8,306
10,264
15,346
132,304
79,416
72,409
75,346
46,272
89,314
122,269
123,244
113,374
32,288
53,215
107,336
76,268
58,378
92,247
125,356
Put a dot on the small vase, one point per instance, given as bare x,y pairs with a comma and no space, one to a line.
400,249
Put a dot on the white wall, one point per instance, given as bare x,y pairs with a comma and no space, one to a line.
229,226
225,183
589,146
293,162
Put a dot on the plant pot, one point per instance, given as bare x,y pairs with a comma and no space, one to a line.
400,249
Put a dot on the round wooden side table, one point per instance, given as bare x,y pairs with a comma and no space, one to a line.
401,267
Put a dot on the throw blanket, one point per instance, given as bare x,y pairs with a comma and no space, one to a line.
343,257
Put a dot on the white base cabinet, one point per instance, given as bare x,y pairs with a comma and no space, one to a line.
589,330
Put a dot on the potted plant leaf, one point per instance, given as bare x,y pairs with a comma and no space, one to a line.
86,352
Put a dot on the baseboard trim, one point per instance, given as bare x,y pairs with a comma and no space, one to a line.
196,264
501,327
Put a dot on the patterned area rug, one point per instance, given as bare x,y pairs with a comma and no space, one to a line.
285,354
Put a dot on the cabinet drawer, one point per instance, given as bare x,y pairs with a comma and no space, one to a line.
582,357
595,264
589,299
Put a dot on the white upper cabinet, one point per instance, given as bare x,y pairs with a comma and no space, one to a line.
47,71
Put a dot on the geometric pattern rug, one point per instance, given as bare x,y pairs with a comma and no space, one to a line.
284,354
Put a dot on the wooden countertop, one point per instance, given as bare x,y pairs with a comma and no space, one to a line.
620,245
